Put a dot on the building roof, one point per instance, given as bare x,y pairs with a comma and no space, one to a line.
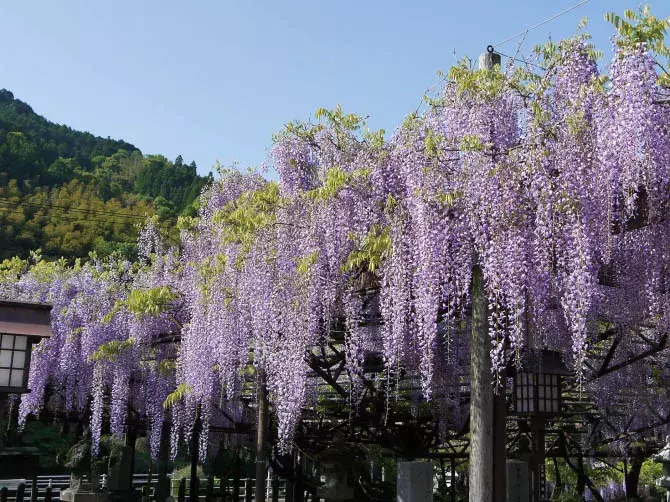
25,318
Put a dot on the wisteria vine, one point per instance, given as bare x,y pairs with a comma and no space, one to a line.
544,181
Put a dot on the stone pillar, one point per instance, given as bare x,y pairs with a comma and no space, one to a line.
119,474
518,483
120,468
415,482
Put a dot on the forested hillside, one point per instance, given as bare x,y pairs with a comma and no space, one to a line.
70,192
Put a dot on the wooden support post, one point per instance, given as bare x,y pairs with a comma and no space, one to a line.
248,490
537,464
146,489
129,441
500,445
236,477
487,413
289,490
33,490
3,494
20,492
275,489
162,480
223,488
11,434
262,405
194,488
209,492
48,494
481,396
181,492
299,490
453,480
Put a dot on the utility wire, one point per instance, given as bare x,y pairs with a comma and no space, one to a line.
92,212
520,34
555,16
521,60
74,209
73,218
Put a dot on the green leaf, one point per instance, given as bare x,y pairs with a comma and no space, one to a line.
372,252
251,212
109,351
471,143
177,395
307,262
150,302
167,367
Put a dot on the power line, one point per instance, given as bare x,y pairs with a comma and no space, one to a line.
79,221
93,212
522,33
75,218
555,16
521,60
65,208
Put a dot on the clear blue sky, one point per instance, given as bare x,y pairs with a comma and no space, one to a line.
214,79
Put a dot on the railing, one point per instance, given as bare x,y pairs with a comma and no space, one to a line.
275,491
47,488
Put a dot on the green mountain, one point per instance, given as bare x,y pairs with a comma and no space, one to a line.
69,192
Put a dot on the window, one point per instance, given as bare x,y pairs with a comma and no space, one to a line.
537,393
13,354
548,386
525,398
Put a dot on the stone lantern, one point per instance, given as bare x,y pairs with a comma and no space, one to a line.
537,396
664,458
538,385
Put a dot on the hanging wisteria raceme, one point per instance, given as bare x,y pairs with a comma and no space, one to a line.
518,174
80,298
102,352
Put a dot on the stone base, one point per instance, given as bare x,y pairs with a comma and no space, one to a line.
121,496
415,482
82,496
518,481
